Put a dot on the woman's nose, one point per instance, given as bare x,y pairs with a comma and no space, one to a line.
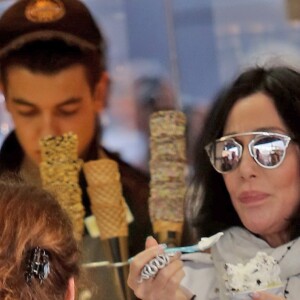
247,166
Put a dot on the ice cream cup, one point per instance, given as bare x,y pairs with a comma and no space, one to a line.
275,290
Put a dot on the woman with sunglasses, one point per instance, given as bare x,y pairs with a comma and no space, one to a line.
246,184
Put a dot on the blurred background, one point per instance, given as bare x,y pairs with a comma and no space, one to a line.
177,54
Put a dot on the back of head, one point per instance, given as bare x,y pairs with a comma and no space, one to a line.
30,219
154,93
49,35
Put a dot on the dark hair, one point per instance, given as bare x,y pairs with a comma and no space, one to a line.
52,56
210,200
30,217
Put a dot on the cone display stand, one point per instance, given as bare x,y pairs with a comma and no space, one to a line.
117,252
169,233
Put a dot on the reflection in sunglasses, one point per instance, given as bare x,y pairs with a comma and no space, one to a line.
267,149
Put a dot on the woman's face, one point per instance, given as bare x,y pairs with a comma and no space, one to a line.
263,198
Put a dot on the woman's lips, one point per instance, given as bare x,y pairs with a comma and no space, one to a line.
252,197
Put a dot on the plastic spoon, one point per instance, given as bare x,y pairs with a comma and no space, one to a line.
203,244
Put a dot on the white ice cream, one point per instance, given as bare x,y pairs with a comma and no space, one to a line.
260,272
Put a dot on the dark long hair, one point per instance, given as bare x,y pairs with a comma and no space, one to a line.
210,200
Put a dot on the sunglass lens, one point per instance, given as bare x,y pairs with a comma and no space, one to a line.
227,155
269,151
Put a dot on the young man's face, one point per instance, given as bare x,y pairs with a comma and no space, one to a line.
42,105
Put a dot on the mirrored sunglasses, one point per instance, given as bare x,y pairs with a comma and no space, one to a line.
268,149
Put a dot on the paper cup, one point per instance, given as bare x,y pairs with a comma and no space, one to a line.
276,290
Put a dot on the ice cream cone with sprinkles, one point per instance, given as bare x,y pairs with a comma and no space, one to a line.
59,170
168,173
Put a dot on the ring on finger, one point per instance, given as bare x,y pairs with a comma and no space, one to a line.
151,269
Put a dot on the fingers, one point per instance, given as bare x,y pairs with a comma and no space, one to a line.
167,282
152,249
164,285
141,259
265,296
169,278
151,242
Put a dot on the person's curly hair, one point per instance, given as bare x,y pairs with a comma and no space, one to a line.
30,217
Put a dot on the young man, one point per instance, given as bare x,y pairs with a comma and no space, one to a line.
54,79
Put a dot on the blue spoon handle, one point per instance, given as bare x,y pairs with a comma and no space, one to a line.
188,249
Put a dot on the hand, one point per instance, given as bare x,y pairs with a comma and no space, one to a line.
265,296
165,285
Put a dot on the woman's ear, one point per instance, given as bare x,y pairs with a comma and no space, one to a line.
70,295
101,91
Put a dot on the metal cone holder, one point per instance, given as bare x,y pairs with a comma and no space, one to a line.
170,238
117,252
167,232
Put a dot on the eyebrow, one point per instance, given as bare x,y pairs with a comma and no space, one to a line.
23,102
271,129
70,101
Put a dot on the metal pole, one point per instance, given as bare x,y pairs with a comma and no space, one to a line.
171,36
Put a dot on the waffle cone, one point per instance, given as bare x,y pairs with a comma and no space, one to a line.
111,194
69,197
111,220
59,170
59,148
101,171
66,194
60,173
167,123
168,148
105,191
171,211
166,171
